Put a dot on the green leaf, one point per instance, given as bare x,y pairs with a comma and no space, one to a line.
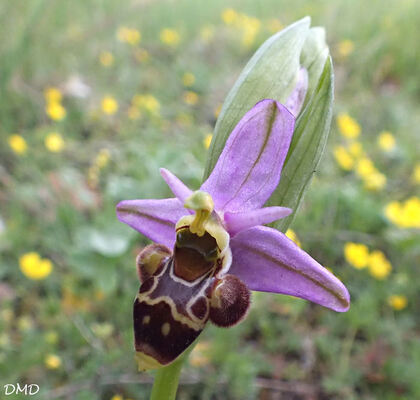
270,73
308,143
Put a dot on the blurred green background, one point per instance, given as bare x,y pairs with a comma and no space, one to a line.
97,95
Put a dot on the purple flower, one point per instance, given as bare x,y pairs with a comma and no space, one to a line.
228,210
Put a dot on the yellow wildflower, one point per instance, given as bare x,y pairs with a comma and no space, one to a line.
199,356
106,58
343,158
34,267
405,214
55,111
116,397
291,234
348,126
18,144
397,302
393,212
25,323
274,25
146,102
386,141
102,158
356,149
207,33
250,27
356,254
365,167
128,35
229,16
141,55
52,95
169,37
217,110
375,181
345,48
52,361
416,173
51,337
188,79
109,105
54,142
207,140
190,98
379,266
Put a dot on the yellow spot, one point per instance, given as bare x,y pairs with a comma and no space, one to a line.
386,141
416,174
404,214
34,267
274,25
217,110
200,354
146,319
129,35
365,167
229,16
117,397
106,58
356,149
379,266
18,144
291,234
166,327
102,158
345,48
51,337
397,302
343,158
146,102
207,140
190,98
52,361
347,126
145,362
55,111
52,95
188,79
169,37
109,105
374,181
356,254
54,142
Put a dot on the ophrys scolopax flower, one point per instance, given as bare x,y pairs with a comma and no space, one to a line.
221,250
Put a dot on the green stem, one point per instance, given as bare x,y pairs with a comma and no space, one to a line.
166,381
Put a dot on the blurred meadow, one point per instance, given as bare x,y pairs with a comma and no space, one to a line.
97,95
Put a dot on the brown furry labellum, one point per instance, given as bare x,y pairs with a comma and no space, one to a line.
179,293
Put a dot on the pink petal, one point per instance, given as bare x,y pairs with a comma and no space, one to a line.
297,97
178,188
249,168
266,260
236,222
154,219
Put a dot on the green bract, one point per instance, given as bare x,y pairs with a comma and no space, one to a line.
272,73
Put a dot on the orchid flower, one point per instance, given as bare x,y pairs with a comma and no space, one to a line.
221,248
